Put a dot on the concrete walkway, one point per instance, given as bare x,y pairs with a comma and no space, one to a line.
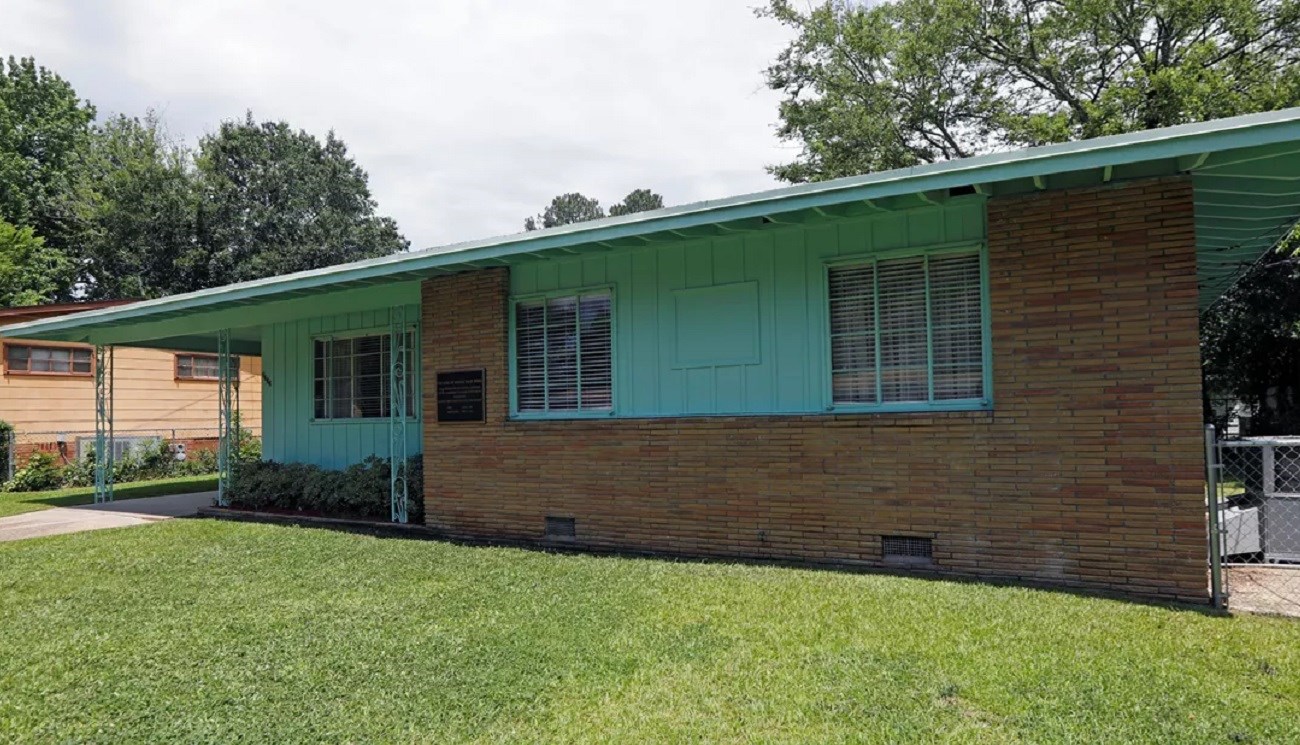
118,514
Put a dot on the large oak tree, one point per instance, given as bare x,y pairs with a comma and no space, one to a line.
869,87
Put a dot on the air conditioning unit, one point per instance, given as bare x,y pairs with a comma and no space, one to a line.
1265,518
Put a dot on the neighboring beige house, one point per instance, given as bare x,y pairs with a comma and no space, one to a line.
47,391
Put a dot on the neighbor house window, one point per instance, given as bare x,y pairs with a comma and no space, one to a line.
563,354
40,360
351,379
907,331
200,366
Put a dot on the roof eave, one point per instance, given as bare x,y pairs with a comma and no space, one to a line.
1175,142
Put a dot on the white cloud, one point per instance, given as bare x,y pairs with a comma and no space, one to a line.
468,115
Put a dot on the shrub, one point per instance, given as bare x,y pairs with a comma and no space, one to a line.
80,472
197,463
40,474
360,490
250,448
149,461
6,437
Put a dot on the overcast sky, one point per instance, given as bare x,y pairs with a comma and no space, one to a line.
468,114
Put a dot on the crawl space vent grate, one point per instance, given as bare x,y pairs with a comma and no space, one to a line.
561,527
907,548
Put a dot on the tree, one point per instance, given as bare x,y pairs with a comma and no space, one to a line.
566,209
1250,345
274,200
44,132
640,200
142,218
30,272
915,81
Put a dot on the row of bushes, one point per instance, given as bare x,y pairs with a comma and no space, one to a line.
361,490
146,462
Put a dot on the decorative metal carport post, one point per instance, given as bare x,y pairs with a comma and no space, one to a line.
103,424
397,372
227,426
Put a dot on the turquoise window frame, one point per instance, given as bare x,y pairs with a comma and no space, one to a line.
413,354
984,403
613,355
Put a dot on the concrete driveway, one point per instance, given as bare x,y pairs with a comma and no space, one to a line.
97,516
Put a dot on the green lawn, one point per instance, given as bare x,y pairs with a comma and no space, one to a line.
195,630
13,503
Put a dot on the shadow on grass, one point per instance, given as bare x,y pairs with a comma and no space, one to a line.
930,574
77,497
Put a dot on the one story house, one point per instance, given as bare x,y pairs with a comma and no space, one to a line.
986,367
47,391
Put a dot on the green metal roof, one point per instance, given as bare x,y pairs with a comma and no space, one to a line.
1246,173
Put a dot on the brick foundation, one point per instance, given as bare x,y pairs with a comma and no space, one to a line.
1087,473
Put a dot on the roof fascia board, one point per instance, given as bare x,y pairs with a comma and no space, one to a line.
208,321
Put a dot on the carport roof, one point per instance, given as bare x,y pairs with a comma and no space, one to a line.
1245,170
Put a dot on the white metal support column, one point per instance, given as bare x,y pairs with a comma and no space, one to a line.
397,382
227,427
103,424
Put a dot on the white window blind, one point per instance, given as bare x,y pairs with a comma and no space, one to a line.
351,377
907,330
563,354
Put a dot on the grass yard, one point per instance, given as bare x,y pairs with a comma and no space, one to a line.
199,630
15,503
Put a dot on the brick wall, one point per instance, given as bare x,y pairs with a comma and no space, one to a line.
1087,473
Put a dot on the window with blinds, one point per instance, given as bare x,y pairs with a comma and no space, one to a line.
351,377
563,354
907,330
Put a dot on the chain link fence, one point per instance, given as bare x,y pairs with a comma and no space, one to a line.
1255,522
191,450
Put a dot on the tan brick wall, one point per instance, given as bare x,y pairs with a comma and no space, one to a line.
1087,473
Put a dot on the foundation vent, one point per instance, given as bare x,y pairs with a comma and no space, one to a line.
907,549
561,527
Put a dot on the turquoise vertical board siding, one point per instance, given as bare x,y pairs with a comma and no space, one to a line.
290,432
663,369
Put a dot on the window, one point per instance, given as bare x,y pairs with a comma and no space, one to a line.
47,360
907,330
563,354
200,366
351,377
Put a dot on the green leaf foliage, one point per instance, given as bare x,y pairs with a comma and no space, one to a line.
142,216
116,209
31,273
639,200
567,209
44,133
869,87
360,490
275,200
1250,347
